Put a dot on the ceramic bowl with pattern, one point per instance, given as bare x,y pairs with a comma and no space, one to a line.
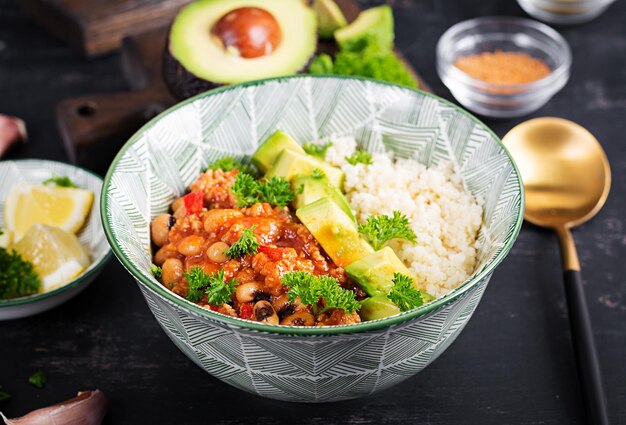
91,236
312,364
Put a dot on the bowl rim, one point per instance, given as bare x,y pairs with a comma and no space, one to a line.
204,314
446,67
94,267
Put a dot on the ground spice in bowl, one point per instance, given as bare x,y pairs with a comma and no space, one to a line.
502,67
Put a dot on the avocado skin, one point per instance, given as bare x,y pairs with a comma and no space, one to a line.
181,83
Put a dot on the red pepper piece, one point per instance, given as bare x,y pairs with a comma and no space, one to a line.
273,253
245,312
194,202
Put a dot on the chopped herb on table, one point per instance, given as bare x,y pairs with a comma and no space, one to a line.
61,181
403,294
246,244
311,288
4,395
318,151
38,379
218,290
17,277
380,229
360,157
228,163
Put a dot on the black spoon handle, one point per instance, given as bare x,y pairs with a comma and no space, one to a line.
585,348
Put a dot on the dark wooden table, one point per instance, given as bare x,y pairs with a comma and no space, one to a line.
513,364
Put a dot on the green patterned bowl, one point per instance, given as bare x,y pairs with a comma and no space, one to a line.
308,364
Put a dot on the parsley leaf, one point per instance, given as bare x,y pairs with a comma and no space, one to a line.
246,244
17,276
246,189
311,288
61,181
404,295
318,151
37,379
276,191
217,290
380,229
249,191
318,174
4,395
1,232
359,157
156,271
229,163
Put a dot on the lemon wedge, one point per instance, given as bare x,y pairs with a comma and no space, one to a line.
62,207
5,238
57,255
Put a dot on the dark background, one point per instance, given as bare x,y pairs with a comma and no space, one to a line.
513,364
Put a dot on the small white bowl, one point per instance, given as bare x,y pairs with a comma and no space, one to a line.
561,12
509,34
92,237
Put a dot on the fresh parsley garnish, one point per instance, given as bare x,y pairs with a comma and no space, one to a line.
311,288
156,271
61,181
380,229
318,174
17,276
1,232
246,189
318,151
246,244
360,157
403,294
249,191
37,379
4,395
228,163
276,191
217,290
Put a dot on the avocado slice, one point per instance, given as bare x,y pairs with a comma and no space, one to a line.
374,272
334,231
329,16
267,152
377,307
201,49
309,189
290,164
373,25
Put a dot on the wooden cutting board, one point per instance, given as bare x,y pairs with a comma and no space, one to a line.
96,27
90,124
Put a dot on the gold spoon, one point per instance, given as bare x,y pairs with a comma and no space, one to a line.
567,179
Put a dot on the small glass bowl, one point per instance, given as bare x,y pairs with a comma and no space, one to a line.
511,35
565,12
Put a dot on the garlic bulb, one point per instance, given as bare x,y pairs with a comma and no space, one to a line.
87,408
12,130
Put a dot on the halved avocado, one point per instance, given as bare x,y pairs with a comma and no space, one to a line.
330,17
373,25
208,37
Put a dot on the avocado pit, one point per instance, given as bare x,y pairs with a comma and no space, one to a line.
252,31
